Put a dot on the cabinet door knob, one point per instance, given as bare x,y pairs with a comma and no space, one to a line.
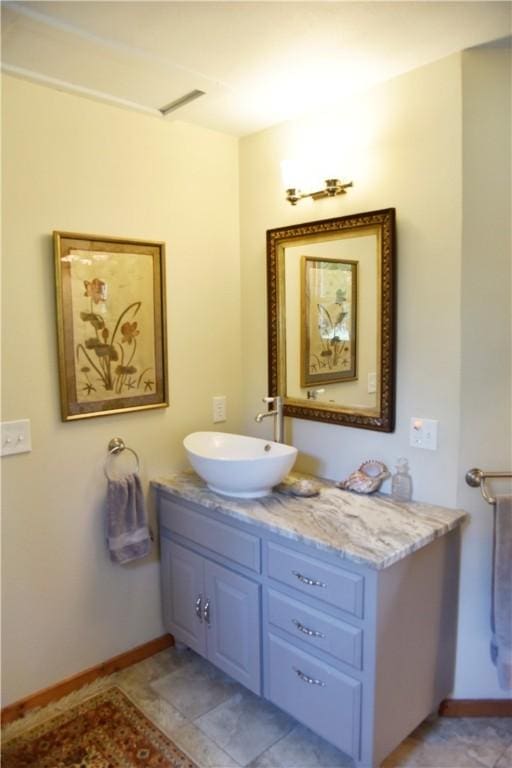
307,580
197,608
307,679
206,611
306,630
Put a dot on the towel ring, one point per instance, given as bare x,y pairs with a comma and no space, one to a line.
115,447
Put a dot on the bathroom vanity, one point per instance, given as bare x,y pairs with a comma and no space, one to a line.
340,609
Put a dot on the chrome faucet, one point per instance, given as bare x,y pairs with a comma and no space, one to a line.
277,413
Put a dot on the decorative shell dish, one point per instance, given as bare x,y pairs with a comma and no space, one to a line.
367,478
302,487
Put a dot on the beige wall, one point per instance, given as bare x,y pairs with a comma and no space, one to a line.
77,165
434,143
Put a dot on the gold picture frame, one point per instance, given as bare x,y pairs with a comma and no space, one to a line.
111,324
373,235
328,320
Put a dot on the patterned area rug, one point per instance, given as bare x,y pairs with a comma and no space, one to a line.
105,731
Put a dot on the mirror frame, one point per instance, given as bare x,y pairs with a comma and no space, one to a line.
384,220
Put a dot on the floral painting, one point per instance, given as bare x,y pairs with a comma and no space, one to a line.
111,325
329,320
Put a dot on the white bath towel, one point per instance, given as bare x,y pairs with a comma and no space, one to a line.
501,618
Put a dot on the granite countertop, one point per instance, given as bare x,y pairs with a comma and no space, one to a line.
369,530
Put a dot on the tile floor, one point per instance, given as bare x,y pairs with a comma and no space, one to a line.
222,725
219,724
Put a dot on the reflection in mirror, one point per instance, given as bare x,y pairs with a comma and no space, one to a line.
331,319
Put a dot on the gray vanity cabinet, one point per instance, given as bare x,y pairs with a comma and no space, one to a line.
361,655
214,611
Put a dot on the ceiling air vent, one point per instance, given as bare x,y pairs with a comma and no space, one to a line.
181,102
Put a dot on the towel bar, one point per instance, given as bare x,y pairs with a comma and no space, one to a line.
476,478
115,447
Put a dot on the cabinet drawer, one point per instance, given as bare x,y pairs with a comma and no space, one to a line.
319,630
235,545
321,697
310,576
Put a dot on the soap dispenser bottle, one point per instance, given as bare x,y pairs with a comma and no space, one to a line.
401,482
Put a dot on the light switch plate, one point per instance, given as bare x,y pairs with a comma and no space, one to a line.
423,433
15,437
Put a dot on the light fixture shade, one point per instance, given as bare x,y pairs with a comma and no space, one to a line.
290,173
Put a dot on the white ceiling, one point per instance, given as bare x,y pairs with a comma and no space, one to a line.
259,62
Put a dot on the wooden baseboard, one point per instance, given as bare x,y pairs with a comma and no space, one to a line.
476,708
448,707
54,692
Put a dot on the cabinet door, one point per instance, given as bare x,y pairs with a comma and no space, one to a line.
183,597
233,630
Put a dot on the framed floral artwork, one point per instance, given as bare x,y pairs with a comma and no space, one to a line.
328,320
111,325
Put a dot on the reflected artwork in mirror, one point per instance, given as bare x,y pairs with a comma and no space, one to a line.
331,319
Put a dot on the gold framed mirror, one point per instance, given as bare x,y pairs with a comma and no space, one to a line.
331,319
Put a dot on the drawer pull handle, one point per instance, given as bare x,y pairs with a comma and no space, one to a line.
206,611
198,609
308,581
306,630
307,679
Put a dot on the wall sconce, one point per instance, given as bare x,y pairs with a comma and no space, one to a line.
333,187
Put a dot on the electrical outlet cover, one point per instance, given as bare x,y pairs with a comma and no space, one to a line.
219,409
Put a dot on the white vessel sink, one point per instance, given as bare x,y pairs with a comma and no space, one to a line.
236,465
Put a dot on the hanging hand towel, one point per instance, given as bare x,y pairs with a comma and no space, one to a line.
501,643
128,535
